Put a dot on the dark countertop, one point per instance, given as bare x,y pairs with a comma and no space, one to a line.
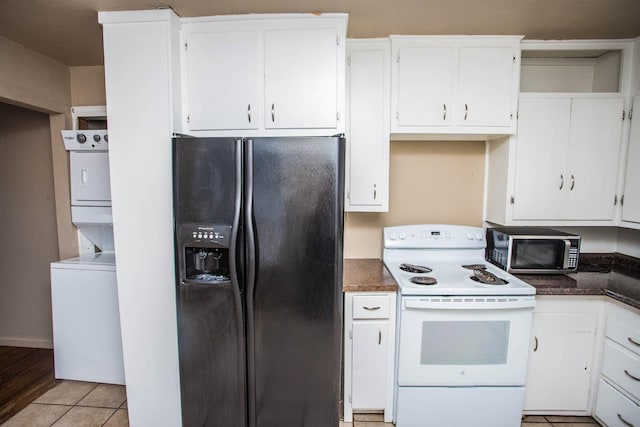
367,275
614,275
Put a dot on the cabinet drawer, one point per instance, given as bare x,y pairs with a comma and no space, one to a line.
622,367
370,307
623,334
614,409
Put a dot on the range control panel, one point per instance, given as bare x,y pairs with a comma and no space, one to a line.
205,235
433,236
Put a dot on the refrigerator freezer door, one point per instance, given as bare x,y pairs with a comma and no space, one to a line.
294,314
207,186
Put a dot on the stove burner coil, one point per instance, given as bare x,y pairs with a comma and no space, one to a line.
475,266
423,280
412,268
487,278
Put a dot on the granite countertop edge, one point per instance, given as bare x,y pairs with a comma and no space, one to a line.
371,275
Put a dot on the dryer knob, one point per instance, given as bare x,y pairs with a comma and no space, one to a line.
106,138
81,138
96,137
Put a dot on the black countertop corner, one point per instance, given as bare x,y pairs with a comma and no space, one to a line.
612,274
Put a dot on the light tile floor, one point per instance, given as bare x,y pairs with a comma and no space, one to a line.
76,403
375,420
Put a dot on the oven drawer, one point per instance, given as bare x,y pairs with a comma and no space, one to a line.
622,367
371,307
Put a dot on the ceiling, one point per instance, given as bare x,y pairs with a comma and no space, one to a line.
67,30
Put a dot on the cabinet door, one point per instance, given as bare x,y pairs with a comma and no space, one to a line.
369,364
223,78
425,86
541,156
301,78
594,146
368,134
485,86
559,367
631,206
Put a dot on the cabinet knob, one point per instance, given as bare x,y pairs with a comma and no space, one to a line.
561,181
249,113
444,111
371,308
573,182
273,112
375,192
535,347
633,377
623,420
632,341
466,111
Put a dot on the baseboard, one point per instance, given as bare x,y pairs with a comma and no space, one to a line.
26,342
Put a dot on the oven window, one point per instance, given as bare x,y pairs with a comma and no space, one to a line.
464,342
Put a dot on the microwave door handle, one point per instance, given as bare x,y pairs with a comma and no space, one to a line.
567,249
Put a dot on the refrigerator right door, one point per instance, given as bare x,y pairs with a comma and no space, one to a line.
294,207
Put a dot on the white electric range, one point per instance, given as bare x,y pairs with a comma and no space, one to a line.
463,330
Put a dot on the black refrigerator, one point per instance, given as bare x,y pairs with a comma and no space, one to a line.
259,235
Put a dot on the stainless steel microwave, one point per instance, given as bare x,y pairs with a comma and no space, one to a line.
532,250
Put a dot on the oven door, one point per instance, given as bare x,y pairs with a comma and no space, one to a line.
464,341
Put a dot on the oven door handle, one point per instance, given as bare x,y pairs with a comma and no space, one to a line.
470,303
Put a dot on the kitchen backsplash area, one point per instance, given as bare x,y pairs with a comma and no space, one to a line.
429,182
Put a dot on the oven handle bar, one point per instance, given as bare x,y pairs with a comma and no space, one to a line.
470,303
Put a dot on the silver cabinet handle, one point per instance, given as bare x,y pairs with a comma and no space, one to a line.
633,377
371,308
444,111
466,111
624,421
632,341
375,192
535,347
379,337
273,112
249,112
573,182
561,181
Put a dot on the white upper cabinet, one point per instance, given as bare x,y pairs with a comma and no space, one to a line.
301,78
424,101
270,76
567,152
367,157
454,85
485,96
223,80
631,201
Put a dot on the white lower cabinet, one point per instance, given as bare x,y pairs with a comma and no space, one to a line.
369,338
618,399
562,355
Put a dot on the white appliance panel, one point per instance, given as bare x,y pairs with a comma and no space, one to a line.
87,340
459,406
89,177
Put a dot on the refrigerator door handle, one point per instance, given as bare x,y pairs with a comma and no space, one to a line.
237,202
250,257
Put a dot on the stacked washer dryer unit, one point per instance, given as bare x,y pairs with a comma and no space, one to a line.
86,321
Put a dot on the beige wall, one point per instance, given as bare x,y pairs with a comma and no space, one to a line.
430,182
27,226
87,86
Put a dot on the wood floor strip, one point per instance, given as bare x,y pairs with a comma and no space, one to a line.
25,374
